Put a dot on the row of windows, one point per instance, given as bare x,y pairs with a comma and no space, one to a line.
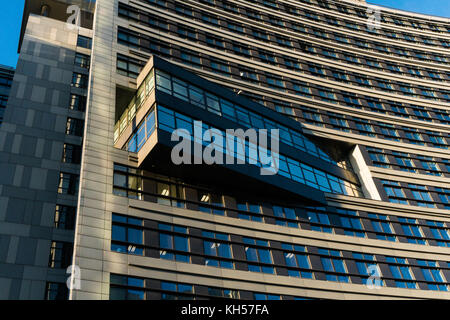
285,84
413,194
169,120
409,162
259,34
174,192
356,12
387,18
225,108
373,63
350,25
244,50
324,94
133,288
191,245
373,128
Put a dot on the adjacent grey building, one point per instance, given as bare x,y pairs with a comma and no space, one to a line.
357,210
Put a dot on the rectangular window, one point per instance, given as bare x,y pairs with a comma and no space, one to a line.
413,136
404,161
444,196
215,42
297,261
129,67
79,80
267,57
210,19
211,203
82,60
187,33
127,235
433,276
191,59
364,127
184,10
128,38
260,35
333,265
287,216
338,122
173,242
422,196
301,89
252,208
217,249
84,42
394,192
68,183
65,217
71,154
56,291
366,265
234,27
77,102
74,127
276,83
319,221
440,233
60,255
176,291
382,227
220,68
256,252
378,158
401,272
412,230
126,288
351,223
388,131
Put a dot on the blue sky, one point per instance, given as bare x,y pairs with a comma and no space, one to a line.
10,22
434,7
11,17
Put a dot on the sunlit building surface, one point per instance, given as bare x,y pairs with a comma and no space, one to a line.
359,208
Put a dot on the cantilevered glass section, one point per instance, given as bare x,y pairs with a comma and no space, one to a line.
223,107
165,103
227,109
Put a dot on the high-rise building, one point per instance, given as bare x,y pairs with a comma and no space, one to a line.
356,208
6,78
